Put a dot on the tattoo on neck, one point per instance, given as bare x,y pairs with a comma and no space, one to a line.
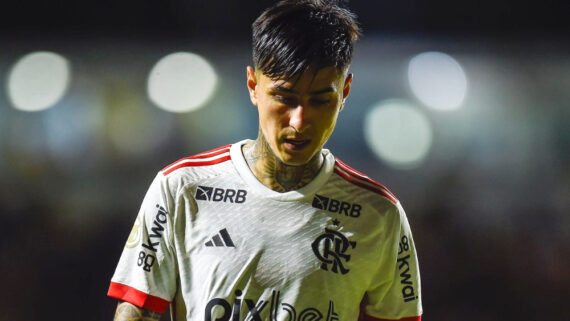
273,173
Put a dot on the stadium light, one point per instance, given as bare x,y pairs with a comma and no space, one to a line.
181,82
398,133
437,80
38,81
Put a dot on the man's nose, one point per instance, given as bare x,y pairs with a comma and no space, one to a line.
298,118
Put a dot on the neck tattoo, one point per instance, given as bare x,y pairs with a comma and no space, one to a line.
273,173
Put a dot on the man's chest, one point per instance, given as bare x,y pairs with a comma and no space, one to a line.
273,244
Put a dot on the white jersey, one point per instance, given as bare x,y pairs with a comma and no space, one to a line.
216,244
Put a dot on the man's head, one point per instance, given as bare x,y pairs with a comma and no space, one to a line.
294,35
301,52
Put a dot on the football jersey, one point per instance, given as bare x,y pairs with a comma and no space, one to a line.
214,243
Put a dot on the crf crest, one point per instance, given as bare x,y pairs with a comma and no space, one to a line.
330,248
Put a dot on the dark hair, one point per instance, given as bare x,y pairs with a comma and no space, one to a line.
294,35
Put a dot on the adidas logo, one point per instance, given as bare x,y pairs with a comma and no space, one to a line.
224,241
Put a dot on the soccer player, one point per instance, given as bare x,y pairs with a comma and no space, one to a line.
277,228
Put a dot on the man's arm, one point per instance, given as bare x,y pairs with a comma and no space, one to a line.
129,312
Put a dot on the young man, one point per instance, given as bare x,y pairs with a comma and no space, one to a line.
275,229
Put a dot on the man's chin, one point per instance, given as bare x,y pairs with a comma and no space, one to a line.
294,160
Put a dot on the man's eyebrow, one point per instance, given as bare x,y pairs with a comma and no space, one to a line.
314,92
323,91
282,88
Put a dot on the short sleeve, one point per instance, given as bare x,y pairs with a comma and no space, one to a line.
146,273
397,293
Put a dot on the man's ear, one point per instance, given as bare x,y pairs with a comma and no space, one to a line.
346,89
252,85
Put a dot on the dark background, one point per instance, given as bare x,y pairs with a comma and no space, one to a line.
191,18
488,207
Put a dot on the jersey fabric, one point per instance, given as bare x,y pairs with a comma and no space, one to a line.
216,244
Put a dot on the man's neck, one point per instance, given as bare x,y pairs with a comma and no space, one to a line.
273,173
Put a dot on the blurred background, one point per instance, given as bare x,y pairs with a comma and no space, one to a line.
460,108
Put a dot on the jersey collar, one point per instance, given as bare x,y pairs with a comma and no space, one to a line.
306,191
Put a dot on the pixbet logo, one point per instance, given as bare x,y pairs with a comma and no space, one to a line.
330,248
214,194
219,309
340,207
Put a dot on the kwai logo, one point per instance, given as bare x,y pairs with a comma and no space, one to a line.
146,260
406,280
219,309
340,207
215,194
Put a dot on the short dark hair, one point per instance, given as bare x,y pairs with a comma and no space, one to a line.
293,35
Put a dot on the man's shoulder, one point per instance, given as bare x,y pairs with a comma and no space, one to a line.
362,183
197,162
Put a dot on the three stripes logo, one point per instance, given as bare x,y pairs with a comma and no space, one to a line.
222,239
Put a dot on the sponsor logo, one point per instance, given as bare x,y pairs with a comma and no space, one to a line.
219,309
224,241
135,236
146,260
335,206
215,194
408,291
330,248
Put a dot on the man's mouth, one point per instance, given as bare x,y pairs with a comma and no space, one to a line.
296,144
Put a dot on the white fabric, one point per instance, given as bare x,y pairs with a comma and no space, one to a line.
284,264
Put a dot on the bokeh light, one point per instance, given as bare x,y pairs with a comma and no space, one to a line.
398,133
181,82
38,81
437,80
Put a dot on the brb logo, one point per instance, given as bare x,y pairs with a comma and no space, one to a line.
219,309
332,205
214,194
330,249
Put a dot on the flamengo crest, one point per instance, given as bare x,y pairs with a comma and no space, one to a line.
330,249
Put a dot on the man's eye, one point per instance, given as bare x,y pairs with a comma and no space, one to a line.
285,100
319,101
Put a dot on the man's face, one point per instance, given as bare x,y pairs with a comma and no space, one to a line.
298,116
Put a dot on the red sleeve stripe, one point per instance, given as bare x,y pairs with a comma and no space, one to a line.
138,298
366,317
362,176
196,162
212,152
207,154
365,184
